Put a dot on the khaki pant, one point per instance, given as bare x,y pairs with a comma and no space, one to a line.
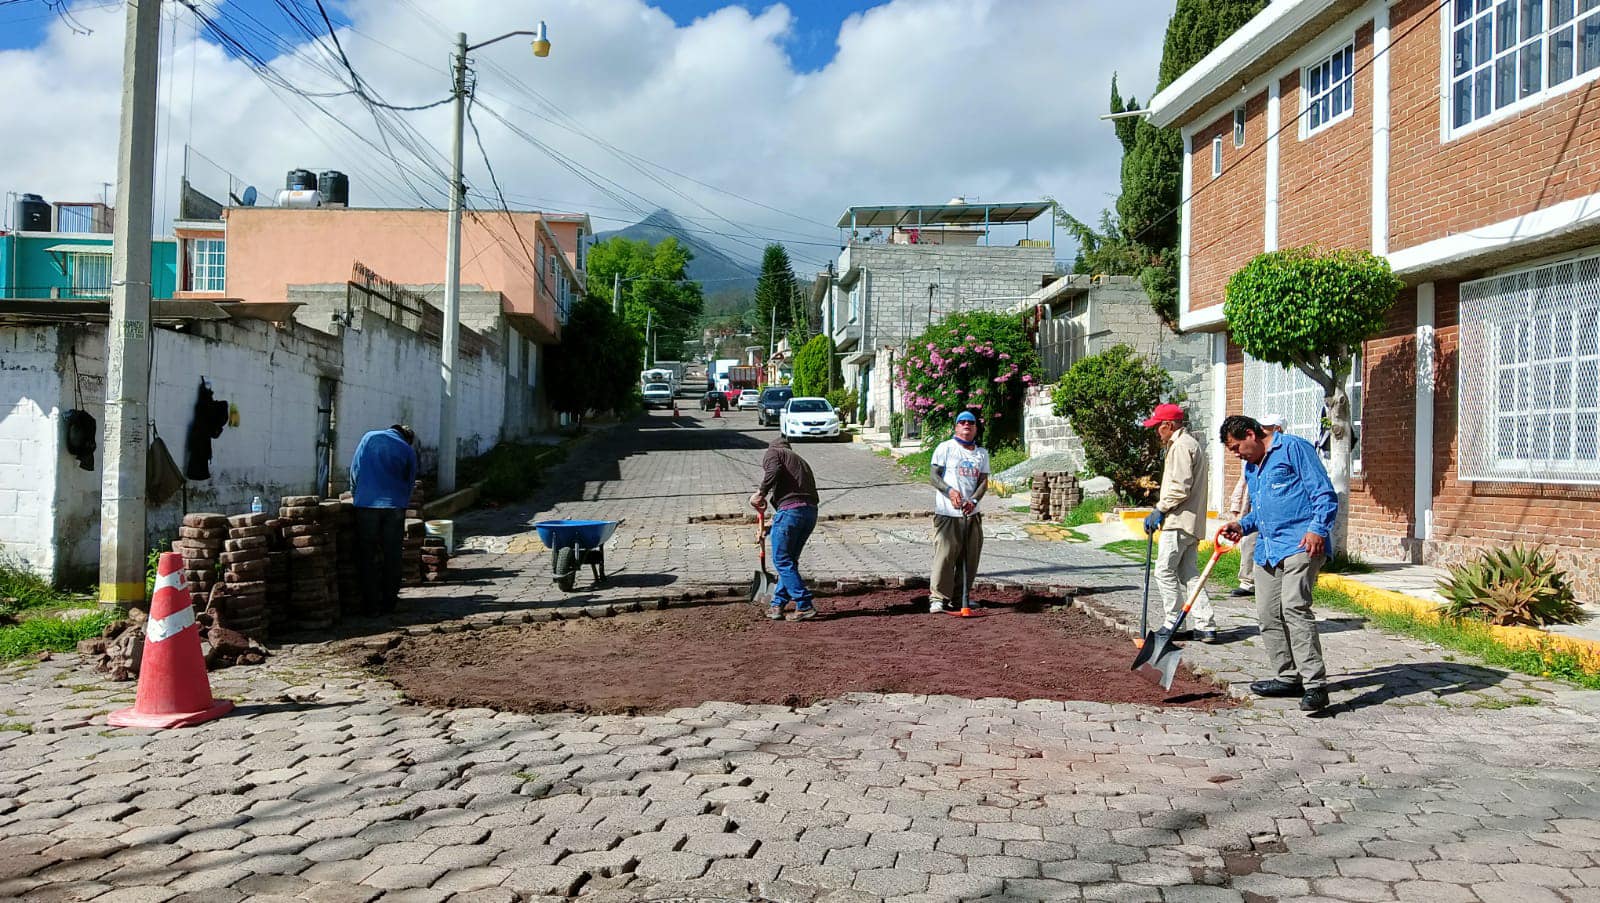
1288,627
1247,561
1177,571
949,536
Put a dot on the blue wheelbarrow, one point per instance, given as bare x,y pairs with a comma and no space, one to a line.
574,543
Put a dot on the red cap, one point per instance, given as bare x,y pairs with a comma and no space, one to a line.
1164,413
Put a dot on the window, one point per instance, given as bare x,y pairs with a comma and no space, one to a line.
1216,156
855,303
207,260
1271,389
580,248
1529,361
533,364
1238,126
1506,52
75,218
1328,90
91,275
541,260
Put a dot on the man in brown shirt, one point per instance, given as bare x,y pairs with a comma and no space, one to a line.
787,478
1180,516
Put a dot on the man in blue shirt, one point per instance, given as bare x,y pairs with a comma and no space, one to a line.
1292,509
382,474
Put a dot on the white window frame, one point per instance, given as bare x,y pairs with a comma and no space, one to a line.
98,264
1485,17
533,363
1238,126
200,266
1271,389
1216,156
1336,72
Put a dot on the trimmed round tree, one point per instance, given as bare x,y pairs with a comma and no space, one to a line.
1106,397
1311,309
811,365
979,361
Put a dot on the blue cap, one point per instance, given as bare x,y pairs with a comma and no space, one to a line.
965,416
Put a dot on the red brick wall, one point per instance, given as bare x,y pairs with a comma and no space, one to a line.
1325,180
1382,496
1540,157
1227,213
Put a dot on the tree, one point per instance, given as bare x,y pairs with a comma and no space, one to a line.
981,362
1105,397
812,364
596,365
1143,238
656,290
1310,309
775,294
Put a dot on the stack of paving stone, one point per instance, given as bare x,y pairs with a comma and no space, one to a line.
411,556
200,541
277,573
310,568
329,520
240,600
348,566
1054,494
435,558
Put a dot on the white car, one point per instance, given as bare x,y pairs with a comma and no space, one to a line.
808,417
749,398
657,395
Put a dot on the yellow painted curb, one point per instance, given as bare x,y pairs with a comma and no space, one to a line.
1587,652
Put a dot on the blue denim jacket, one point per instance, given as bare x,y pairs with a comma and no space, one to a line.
1290,496
382,471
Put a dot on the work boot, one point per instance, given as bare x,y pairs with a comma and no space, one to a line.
804,614
1277,688
1243,590
935,606
774,612
1314,700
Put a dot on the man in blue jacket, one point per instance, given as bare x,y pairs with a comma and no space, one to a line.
381,475
1292,509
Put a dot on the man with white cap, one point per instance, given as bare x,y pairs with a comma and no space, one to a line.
1239,506
959,473
1180,516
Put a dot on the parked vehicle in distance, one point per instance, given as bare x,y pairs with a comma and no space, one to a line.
714,399
773,398
807,418
748,398
657,395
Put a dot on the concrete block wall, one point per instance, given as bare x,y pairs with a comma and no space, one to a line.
30,421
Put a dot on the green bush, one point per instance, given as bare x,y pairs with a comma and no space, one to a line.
1519,586
897,425
21,589
845,400
811,365
46,632
1106,398
979,361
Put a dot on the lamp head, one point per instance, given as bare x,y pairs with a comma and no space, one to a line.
541,42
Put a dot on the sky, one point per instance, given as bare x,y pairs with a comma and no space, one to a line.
752,121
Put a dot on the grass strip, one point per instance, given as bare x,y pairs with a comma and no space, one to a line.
48,633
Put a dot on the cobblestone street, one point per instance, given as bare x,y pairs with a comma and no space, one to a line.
1430,779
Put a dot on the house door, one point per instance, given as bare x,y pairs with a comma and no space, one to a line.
326,391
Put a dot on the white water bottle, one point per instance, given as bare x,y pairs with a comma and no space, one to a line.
255,505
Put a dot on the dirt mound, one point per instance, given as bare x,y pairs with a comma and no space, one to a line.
884,642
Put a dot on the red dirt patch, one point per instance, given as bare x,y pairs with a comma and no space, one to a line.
880,642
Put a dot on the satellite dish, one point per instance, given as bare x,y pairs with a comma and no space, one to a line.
249,197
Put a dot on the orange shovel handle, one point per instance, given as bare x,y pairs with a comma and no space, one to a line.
1219,545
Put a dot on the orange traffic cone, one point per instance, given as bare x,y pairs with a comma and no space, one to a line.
174,690
675,410
716,412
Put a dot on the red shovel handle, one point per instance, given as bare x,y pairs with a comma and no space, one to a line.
761,535
1222,543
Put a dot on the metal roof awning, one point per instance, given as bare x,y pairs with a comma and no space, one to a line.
104,250
27,310
976,214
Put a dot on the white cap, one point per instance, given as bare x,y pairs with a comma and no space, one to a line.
1273,419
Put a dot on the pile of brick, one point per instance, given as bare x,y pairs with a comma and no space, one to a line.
348,564
311,570
200,542
1054,494
240,601
329,519
435,558
278,588
411,573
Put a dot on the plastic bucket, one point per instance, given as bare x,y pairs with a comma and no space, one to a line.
446,530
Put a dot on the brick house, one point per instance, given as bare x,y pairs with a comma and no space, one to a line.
1461,139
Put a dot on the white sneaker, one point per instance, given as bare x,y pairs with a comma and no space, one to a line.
935,607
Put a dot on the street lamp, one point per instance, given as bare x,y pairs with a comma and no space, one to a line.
452,276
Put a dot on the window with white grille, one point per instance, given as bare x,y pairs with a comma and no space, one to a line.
91,275
1512,54
1328,90
1271,389
1216,156
1238,126
208,259
1529,399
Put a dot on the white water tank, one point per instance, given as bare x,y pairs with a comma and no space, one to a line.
299,197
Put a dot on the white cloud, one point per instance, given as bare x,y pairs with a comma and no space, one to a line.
994,99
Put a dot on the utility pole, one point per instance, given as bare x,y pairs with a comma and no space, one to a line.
128,341
649,318
616,293
772,334
452,282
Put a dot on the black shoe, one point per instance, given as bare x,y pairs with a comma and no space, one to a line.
1209,637
1277,688
1183,636
1314,700
1243,591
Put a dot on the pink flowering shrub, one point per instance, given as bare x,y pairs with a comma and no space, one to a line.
982,362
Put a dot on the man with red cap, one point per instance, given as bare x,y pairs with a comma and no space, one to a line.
1180,516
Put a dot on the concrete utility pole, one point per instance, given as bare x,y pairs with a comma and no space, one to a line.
649,318
122,484
616,293
452,281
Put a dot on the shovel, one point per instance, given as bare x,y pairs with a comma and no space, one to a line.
1158,655
761,584
1144,604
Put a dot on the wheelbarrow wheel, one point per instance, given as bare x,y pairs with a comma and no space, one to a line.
566,568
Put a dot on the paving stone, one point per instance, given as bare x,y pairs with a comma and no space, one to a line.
1433,892
607,864
721,846
470,879
671,866
890,882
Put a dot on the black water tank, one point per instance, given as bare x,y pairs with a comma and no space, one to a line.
334,186
301,180
33,214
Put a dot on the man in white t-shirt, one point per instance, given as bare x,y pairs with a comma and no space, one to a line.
960,475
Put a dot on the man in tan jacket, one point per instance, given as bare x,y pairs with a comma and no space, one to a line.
1180,515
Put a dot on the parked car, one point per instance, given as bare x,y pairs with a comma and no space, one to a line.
657,395
749,398
773,398
808,417
713,399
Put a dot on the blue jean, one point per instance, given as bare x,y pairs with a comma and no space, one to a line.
791,527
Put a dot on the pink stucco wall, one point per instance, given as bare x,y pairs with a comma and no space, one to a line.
272,248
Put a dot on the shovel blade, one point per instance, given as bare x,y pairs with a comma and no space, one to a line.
761,587
1166,666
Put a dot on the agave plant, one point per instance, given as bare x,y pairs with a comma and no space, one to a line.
1521,585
